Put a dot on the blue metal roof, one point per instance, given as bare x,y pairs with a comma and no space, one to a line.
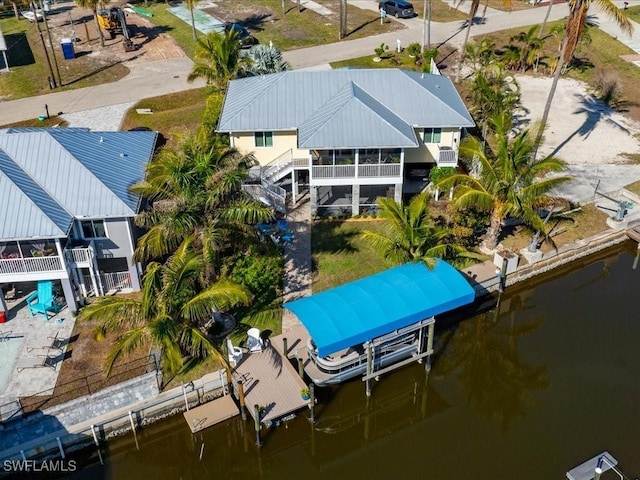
49,176
389,103
359,311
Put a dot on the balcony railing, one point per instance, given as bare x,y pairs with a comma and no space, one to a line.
334,171
30,265
79,255
447,157
111,282
379,170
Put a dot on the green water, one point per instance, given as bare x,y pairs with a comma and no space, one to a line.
526,391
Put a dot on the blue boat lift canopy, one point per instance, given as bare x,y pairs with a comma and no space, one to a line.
357,312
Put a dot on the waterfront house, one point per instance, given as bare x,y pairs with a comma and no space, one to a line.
66,213
348,136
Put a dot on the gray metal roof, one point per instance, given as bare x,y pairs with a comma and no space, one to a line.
369,107
51,176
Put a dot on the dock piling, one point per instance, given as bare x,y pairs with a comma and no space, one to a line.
285,347
243,410
300,367
256,423
312,402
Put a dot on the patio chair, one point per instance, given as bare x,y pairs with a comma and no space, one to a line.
10,294
36,362
234,353
254,341
42,300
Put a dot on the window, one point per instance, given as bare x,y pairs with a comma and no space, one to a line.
263,139
432,135
93,229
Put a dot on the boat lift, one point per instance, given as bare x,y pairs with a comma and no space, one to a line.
622,205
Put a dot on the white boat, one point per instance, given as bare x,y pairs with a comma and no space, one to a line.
29,15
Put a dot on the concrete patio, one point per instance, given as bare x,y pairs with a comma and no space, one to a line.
40,338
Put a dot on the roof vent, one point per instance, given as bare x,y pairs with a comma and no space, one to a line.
122,154
101,139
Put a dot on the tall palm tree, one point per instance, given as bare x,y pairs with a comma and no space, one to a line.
472,13
511,182
191,4
218,58
171,313
93,6
578,10
195,191
411,235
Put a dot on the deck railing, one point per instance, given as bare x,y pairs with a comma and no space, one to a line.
116,281
79,255
30,265
334,171
447,157
379,170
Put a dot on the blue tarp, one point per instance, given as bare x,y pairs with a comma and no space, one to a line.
373,306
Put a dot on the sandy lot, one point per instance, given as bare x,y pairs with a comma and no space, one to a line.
586,134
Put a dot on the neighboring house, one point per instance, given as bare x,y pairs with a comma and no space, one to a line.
349,135
66,213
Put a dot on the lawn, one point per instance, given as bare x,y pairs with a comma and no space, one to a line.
391,60
340,255
634,187
29,69
177,113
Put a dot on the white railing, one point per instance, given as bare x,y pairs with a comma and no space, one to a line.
79,255
117,281
301,161
30,265
278,165
379,170
447,157
269,194
334,171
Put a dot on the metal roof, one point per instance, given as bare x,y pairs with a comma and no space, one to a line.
351,106
54,175
359,311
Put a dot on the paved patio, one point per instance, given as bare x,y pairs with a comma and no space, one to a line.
37,336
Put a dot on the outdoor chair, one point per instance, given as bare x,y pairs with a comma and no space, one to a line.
234,353
42,300
36,362
10,294
254,341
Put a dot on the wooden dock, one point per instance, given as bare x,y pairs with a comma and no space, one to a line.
210,413
270,381
634,233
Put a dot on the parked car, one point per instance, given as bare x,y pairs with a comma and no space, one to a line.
246,39
399,8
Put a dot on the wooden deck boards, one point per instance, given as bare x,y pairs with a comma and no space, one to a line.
210,413
270,381
634,233
297,345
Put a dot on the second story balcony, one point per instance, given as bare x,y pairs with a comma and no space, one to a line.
26,257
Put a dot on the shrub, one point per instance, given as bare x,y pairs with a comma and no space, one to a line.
413,49
381,49
607,88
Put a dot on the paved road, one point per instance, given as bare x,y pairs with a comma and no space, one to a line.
168,76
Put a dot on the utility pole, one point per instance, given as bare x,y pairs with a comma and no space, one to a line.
53,50
52,81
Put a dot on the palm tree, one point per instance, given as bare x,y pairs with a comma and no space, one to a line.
218,58
191,4
262,59
195,192
578,10
171,314
511,182
493,91
529,49
93,6
472,13
411,235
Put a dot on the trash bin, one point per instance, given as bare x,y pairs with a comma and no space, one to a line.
46,5
67,48
3,317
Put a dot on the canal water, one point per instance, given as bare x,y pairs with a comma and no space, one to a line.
527,390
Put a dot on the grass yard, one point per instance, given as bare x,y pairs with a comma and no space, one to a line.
177,113
586,222
29,70
633,13
634,187
392,60
340,255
